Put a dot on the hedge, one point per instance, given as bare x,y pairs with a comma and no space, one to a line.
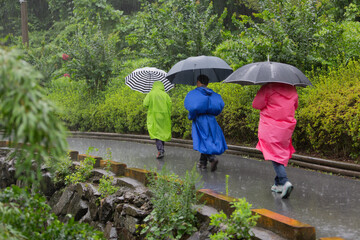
328,113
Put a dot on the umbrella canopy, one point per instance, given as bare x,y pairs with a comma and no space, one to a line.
187,71
265,72
142,79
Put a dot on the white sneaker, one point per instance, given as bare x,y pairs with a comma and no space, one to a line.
288,187
277,188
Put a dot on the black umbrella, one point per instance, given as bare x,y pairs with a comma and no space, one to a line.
265,72
187,71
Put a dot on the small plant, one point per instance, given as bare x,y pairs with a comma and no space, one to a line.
61,168
238,225
227,184
173,215
83,171
106,188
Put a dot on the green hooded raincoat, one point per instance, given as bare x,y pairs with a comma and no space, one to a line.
158,103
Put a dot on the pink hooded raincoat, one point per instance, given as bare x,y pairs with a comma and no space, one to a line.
277,103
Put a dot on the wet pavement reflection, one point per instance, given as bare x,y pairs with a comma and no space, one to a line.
330,203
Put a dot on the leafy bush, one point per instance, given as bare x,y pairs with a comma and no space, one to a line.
74,102
181,125
92,55
295,32
238,225
82,171
351,36
46,59
329,113
173,215
106,187
238,120
29,118
26,216
121,111
328,116
175,29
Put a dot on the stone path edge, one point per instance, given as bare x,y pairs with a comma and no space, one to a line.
326,165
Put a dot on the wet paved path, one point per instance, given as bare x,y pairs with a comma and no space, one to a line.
330,203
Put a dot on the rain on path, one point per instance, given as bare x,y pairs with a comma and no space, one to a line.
329,203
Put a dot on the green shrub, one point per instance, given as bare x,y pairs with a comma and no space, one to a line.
329,114
106,187
238,225
82,171
26,216
175,29
121,111
238,120
92,55
74,102
173,200
28,117
181,125
301,34
45,58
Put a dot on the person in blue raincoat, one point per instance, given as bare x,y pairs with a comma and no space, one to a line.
203,105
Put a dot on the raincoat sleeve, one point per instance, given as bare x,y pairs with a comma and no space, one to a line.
190,104
146,101
216,104
260,100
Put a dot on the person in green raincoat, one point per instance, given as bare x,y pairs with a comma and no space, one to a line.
158,103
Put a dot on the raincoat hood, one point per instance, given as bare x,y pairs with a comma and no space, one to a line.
206,91
157,85
285,90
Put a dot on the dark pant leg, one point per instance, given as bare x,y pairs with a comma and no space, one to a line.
160,145
203,159
210,158
281,176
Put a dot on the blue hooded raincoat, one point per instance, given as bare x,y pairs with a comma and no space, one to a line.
203,105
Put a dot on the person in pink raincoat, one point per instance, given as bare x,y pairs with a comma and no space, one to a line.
277,103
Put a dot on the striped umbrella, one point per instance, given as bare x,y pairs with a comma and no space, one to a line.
142,79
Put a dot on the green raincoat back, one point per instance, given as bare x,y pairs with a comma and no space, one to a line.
158,103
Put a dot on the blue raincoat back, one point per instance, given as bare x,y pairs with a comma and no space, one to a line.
203,105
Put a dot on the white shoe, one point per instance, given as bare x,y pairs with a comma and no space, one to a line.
277,188
287,188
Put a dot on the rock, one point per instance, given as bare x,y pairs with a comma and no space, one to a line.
97,174
78,207
133,211
7,173
130,224
92,193
86,218
195,236
124,234
55,198
108,207
94,211
47,186
110,231
61,207
129,197
98,226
